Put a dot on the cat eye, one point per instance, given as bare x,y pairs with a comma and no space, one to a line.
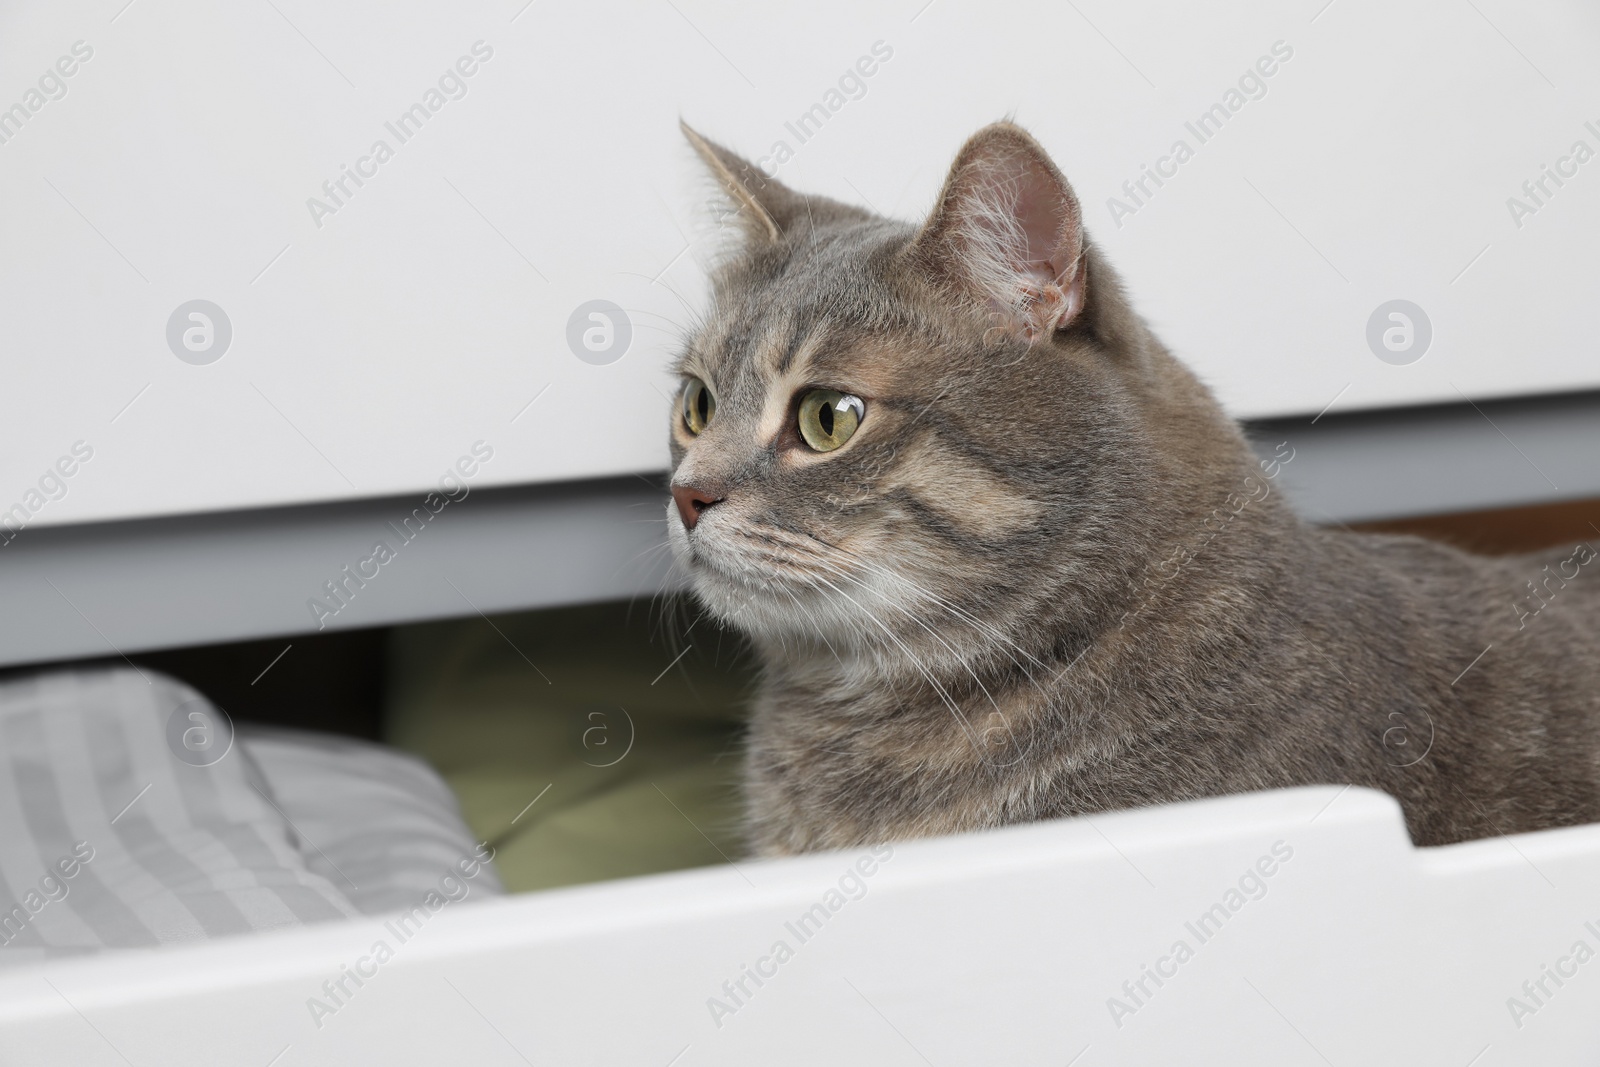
698,405
828,418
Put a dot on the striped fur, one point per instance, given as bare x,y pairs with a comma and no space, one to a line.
1048,576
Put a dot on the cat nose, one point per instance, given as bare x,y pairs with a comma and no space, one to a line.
691,502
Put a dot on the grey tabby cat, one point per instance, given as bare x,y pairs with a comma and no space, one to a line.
1004,558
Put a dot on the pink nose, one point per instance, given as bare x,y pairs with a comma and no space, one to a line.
691,502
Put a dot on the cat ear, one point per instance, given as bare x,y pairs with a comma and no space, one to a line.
1008,232
765,208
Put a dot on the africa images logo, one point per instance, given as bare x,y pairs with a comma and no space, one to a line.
1399,332
451,85
599,332
1251,85
199,332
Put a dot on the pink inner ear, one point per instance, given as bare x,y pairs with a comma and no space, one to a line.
1043,213
1023,241
1008,232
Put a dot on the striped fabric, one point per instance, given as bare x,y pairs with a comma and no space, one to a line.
380,825
108,839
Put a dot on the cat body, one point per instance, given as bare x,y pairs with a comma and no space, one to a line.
1022,565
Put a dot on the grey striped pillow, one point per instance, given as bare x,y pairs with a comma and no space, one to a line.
109,840
376,822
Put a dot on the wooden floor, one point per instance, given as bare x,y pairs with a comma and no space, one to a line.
1506,530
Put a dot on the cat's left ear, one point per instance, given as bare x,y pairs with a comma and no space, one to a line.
1008,232
765,208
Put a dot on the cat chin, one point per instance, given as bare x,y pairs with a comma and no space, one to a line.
787,630
777,611
831,609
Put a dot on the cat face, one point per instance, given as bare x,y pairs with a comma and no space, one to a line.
888,436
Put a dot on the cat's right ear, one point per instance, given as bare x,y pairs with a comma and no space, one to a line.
764,208
1007,233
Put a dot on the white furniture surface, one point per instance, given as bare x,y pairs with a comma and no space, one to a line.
169,151
371,350
1331,941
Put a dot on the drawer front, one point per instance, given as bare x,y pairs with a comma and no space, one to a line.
295,252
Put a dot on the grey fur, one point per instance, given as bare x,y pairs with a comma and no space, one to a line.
1047,579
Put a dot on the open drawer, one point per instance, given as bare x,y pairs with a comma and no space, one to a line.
1286,927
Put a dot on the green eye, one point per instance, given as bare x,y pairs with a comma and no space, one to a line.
698,405
828,418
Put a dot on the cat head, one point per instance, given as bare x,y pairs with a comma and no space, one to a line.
900,442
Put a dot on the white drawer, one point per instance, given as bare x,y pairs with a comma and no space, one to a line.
1310,932
379,330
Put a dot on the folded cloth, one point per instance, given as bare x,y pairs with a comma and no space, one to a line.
377,823
129,818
